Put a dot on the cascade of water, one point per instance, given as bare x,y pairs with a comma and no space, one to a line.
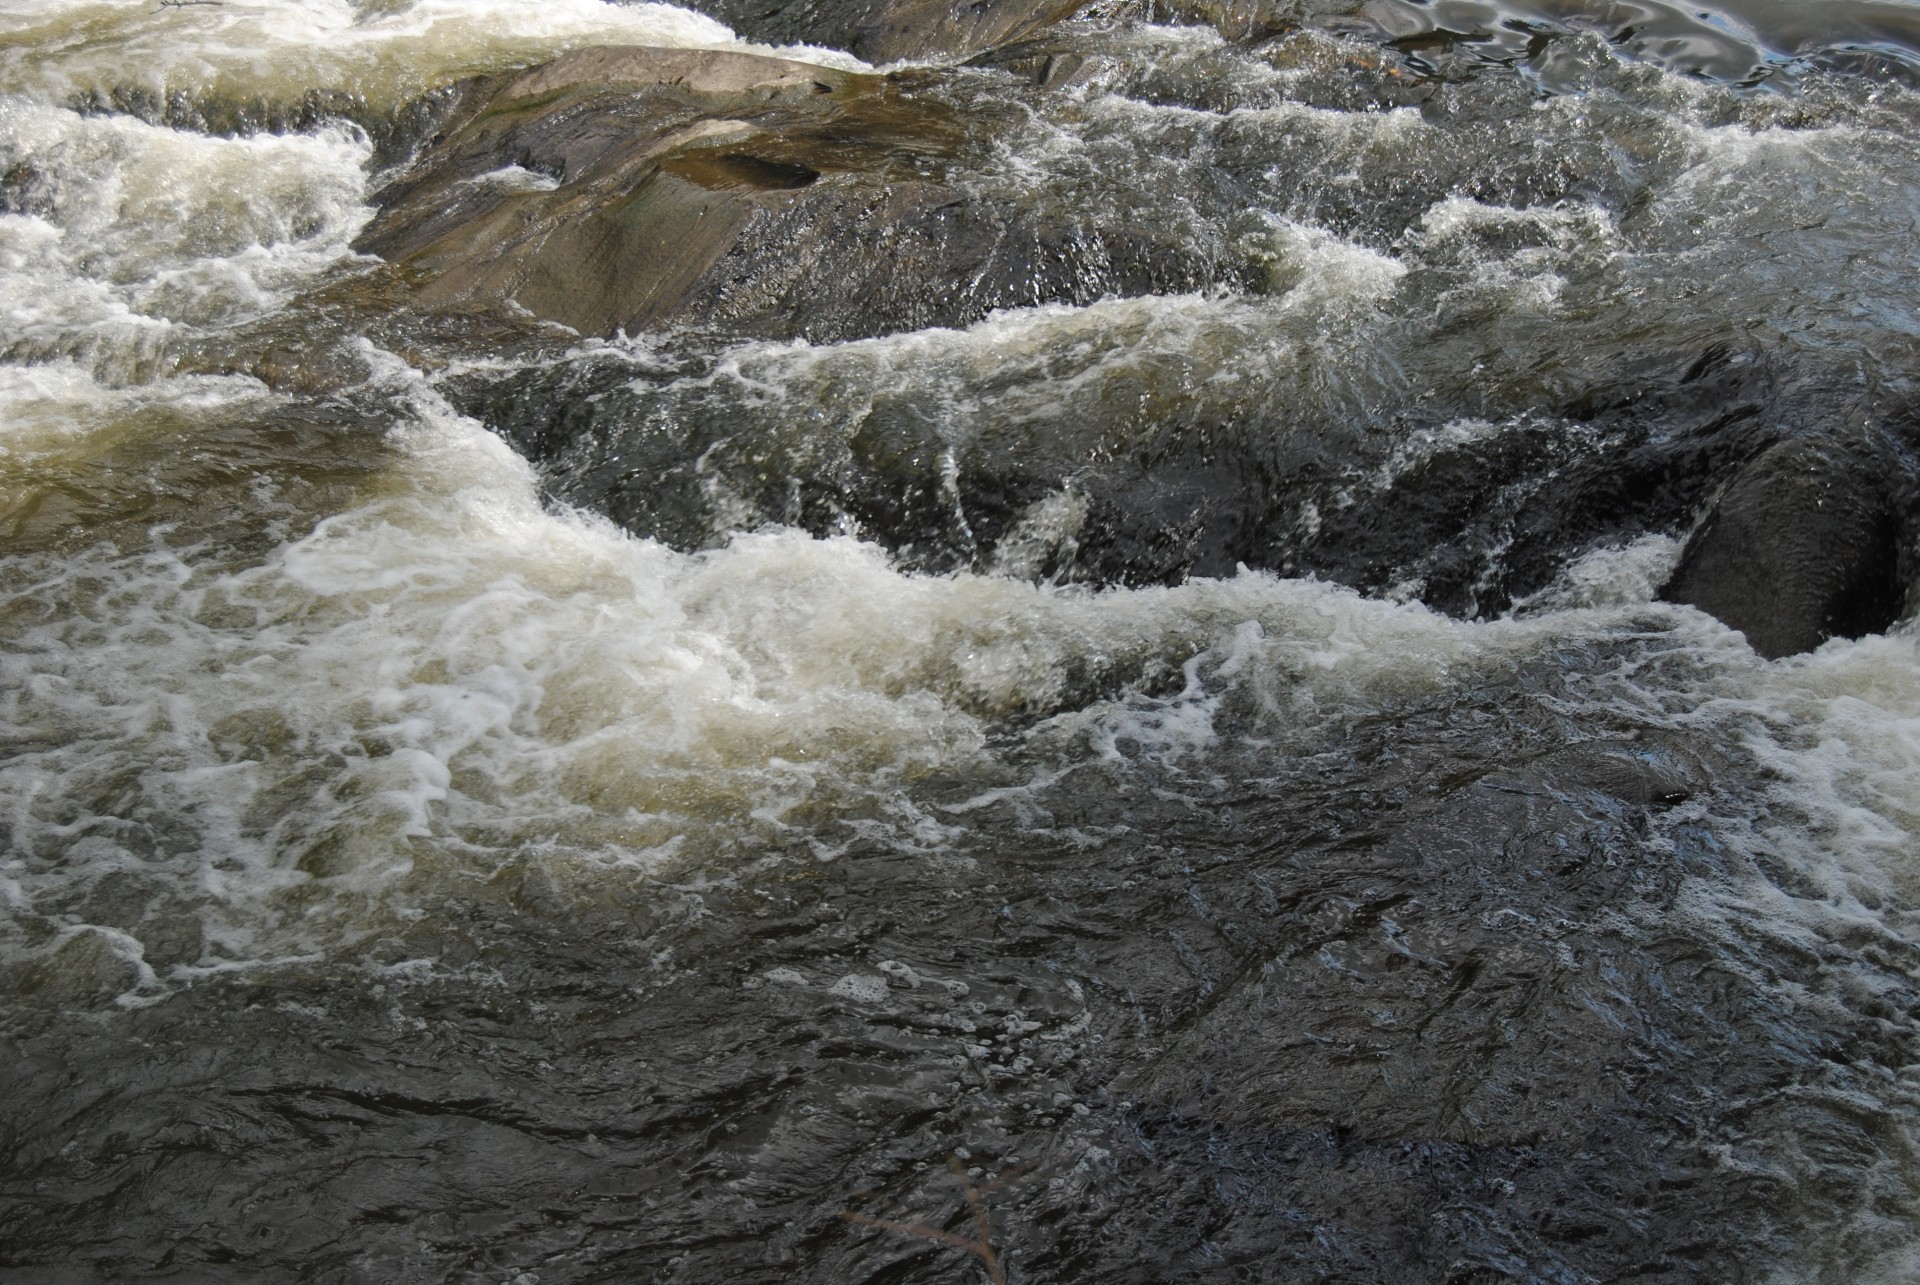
1089,600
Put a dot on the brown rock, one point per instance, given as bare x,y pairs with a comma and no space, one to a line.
631,188
550,193
598,190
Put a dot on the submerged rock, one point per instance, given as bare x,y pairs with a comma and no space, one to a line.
1392,1016
1459,1044
1634,773
1803,546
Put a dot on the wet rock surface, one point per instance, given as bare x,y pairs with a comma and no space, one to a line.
1434,1002
634,189
411,883
1152,470
1806,543
1472,527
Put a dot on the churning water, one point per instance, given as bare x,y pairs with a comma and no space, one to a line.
1199,744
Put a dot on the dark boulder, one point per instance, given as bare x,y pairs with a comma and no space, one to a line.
1802,546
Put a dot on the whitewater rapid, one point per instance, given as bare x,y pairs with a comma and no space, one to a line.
301,680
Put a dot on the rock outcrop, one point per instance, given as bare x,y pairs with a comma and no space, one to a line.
594,191
632,188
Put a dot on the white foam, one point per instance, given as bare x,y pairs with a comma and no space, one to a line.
129,232
516,178
277,50
62,409
864,988
1323,273
1616,576
1841,728
450,675
1025,376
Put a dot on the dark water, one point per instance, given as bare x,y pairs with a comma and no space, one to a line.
1170,736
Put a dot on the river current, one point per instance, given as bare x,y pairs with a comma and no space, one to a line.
718,805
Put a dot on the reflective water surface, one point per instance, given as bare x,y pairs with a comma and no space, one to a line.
1173,739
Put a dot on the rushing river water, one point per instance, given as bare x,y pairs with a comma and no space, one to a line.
1179,744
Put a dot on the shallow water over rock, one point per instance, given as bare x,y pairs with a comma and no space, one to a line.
1067,662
